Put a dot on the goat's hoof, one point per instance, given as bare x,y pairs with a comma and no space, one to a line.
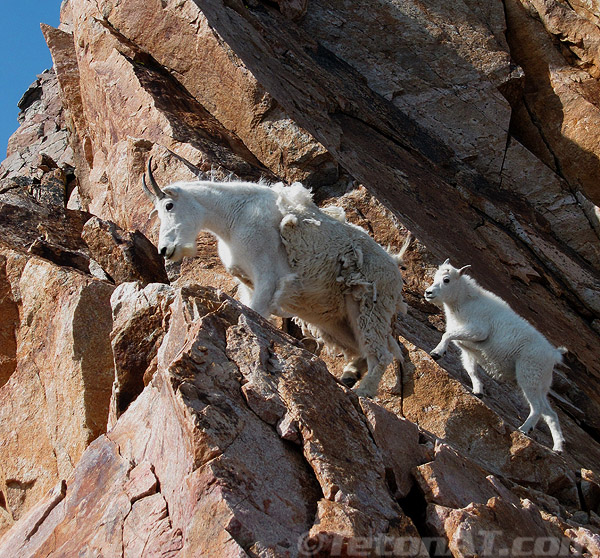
349,380
559,449
364,393
435,356
478,394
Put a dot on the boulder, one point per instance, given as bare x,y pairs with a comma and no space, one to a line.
123,255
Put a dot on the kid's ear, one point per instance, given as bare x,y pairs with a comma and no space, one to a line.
152,214
446,262
463,269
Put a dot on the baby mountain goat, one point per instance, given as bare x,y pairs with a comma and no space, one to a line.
489,333
292,259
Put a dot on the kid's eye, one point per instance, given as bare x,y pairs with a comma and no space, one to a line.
446,280
169,206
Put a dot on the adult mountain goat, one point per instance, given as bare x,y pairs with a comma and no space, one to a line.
489,333
292,259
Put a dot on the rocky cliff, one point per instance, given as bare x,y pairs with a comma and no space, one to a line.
145,412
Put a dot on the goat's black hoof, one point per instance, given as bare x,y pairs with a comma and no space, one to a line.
435,356
348,380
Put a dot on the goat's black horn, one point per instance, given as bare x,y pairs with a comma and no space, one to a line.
148,193
157,191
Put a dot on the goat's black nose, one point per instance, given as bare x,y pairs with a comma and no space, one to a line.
163,251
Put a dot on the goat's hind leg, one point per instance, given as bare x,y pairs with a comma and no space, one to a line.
341,335
353,371
533,418
551,418
263,295
396,351
535,388
539,406
535,400
371,326
469,362
548,413
377,365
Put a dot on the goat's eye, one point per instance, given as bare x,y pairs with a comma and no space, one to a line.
169,206
446,280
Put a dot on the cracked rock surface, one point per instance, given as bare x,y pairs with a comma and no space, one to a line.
145,412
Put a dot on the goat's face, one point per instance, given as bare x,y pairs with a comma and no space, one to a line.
180,223
446,284
180,218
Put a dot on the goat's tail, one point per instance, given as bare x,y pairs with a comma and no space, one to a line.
399,256
560,351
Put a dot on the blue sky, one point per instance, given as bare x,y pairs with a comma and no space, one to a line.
24,54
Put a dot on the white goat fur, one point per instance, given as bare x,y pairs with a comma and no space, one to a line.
489,333
293,259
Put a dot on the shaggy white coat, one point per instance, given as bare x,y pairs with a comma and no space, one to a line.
293,259
490,334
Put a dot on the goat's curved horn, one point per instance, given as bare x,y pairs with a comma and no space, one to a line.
157,191
148,193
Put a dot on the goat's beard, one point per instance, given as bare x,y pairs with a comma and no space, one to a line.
184,251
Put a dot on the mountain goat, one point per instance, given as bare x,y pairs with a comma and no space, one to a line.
489,333
292,259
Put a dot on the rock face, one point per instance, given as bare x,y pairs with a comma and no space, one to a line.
145,412
42,140
123,255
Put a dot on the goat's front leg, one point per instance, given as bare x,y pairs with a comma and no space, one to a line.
461,334
369,384
263,295
353,371
469,361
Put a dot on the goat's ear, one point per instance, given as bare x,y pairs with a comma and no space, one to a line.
447,262
173,194
152,214
463,269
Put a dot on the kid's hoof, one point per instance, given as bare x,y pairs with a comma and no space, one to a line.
435,356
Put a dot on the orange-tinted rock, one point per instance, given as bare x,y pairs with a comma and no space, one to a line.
124,255
225,436
140,317
195,465
42,130
496,528
399,441
8,326
219,81
56,400
590,490
561,90
452,481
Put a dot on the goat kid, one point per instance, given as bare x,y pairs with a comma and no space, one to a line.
490,334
